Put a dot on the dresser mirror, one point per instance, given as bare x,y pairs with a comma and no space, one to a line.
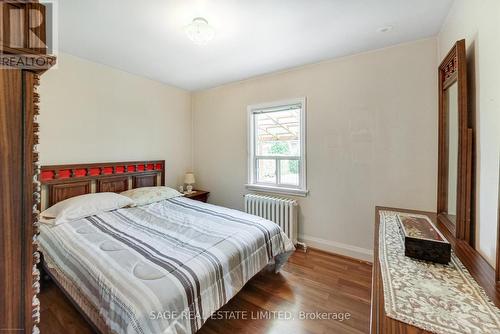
455,146
451,103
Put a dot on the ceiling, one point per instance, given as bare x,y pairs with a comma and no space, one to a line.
253,37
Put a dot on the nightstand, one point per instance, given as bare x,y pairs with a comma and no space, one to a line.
198,195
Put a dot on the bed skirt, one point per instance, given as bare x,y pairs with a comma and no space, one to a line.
78,299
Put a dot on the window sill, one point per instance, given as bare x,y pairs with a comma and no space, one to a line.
277,190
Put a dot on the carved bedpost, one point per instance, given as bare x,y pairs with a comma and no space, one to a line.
35,213
20,169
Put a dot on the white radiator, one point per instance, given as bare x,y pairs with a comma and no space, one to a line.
282,211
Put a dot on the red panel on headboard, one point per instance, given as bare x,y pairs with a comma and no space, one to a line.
47,175
64,174
80,172
107,170
94,171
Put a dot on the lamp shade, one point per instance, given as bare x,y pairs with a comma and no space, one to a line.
189,178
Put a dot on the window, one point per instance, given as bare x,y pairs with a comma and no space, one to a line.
277,147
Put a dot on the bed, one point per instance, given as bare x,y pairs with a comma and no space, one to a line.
165,267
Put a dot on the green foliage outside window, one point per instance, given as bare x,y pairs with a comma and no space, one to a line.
293,166
282,148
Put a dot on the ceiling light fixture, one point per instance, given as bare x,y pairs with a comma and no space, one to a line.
199,31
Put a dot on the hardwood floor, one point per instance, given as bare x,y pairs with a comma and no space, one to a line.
315,282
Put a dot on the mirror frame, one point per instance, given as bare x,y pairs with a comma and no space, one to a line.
453,69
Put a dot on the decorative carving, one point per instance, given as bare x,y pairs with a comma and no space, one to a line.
450,68
35,212
19,98
65,181
58,173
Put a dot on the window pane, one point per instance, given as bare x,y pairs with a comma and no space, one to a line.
278,133
289,172
266,171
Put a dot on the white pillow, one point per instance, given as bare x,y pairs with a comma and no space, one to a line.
147,195
78,207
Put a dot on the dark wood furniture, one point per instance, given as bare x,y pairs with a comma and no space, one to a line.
60,182
198,195
453,71
19,187
65,181
427,244
479,268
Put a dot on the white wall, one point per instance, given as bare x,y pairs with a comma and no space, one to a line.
478,22
372,128
371,140
93,113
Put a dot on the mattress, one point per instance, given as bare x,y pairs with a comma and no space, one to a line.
161,268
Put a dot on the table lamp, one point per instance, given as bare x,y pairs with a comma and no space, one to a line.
189,180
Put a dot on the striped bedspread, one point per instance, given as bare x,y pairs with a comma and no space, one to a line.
165,267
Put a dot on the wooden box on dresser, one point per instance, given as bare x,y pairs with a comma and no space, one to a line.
19,186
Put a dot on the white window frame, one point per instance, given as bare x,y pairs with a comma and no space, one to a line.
301,189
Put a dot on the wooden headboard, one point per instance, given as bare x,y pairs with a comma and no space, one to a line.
60,182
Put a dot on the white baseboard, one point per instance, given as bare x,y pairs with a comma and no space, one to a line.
338,248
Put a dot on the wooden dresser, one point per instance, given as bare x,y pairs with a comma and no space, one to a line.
482,272
19,186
